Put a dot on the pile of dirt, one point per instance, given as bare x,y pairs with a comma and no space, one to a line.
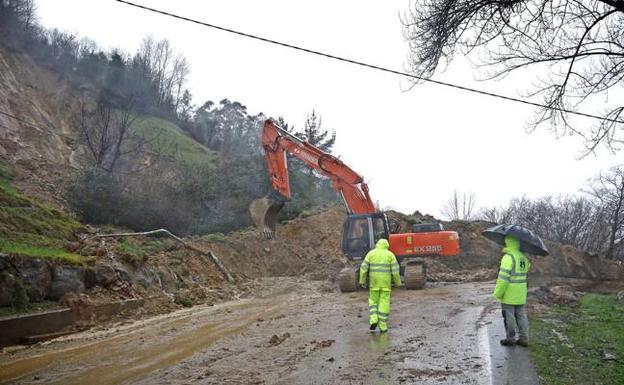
545,296
306,246
310,246
565,262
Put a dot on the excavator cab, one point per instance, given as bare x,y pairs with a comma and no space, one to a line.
360,233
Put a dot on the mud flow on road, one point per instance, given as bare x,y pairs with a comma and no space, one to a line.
298,332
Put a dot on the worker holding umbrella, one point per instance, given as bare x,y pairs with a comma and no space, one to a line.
511,284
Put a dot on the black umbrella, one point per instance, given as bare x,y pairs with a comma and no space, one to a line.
529,242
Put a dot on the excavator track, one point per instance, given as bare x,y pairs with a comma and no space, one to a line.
415,275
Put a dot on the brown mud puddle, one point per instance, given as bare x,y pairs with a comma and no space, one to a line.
132,355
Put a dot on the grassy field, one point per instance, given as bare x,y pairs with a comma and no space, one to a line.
167,139
32,229
581,344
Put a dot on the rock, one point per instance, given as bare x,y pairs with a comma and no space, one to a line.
620,296
276,340
104,275
72,246
4,262
140,279
7,288
37,278
123,273
608,356
168,282
66,279
89,277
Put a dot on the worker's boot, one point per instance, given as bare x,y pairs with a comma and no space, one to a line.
523,342
507,342
372,327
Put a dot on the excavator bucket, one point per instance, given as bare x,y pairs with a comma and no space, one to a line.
264,212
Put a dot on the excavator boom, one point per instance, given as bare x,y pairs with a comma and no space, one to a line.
278,142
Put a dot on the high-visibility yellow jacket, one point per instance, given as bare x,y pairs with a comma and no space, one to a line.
382,268
511,285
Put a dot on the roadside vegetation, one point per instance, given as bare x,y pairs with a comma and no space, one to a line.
32,229
27,307
581,344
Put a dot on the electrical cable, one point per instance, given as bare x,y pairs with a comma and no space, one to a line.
372,66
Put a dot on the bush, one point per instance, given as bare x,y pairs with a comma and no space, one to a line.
184,301
186,198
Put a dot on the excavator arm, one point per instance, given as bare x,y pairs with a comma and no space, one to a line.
276,143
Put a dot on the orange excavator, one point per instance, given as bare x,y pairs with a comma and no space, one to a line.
364,224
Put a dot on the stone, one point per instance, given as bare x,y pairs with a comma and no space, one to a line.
123,273
105,275
7,288
66,279
140,279
37,278
5,262
89,277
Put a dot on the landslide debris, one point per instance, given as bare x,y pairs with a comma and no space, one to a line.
307,247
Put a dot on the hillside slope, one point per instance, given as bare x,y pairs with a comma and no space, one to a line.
42,144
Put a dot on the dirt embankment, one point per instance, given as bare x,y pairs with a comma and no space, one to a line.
307,246
145,267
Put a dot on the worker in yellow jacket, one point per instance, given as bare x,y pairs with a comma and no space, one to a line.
381,268
511,291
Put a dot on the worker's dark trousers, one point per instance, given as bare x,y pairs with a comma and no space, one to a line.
516,319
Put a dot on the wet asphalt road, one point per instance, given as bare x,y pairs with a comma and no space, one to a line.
296,333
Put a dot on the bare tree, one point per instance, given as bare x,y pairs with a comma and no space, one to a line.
570,219
497,215
106,134
577,46
608,189
167,70
459,206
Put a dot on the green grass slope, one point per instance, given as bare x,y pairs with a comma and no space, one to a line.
168,140
32,229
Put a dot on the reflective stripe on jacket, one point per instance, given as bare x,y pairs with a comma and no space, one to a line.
381,266
511,284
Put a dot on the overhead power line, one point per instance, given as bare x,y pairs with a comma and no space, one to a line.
372,66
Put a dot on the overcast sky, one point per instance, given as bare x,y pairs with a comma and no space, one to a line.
412,147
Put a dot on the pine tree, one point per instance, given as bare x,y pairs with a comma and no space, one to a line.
315,135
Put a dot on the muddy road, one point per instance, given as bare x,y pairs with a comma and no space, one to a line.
294,332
